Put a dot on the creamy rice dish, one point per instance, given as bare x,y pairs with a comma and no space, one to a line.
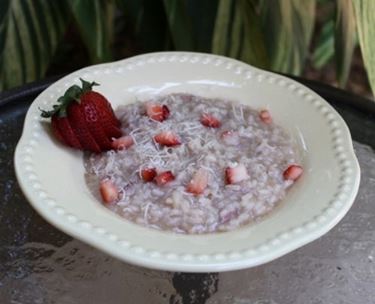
194,165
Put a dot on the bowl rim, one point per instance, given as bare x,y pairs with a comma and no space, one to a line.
271,248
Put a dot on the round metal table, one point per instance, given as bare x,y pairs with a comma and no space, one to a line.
40,264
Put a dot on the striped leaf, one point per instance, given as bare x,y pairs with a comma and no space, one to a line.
179,24
236,35
30,31
238,32
202,15
95,19
288,26
253,50
325,49
365,19
148,22
344,39
222,29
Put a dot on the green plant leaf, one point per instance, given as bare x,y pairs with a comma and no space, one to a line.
365,20
202,15
95,19
324,50
238,32
344,39
179,24
253,50
29,34
222,29
288,26
147,21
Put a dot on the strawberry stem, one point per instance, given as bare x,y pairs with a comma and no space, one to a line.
72,94
87,86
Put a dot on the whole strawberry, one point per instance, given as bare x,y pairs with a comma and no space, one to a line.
84,119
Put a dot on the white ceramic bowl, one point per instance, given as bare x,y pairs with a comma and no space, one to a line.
52,176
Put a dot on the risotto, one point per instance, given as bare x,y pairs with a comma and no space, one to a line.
194,165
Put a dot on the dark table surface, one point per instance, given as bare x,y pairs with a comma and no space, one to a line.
40,264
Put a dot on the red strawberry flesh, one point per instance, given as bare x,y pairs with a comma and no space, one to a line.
67,132
84,119
111,130
94,125
55,128
107,118
148,174
157,112
293,172
164,178
234,175
77,119
210,121
231,138
167,138
265,116
122,143
199,182
108,191
102,105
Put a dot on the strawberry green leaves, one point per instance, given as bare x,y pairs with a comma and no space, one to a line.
87,86
73,93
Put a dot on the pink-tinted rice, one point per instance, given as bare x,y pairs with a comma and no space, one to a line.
264,149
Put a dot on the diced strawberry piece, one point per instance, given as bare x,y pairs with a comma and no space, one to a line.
167,138
265,116
210,121
231,138
164,177
236,174
122,143
199,182
157,112
78,123
293,172
148,174
108,191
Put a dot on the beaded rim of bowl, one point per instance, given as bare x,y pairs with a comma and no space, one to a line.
338,204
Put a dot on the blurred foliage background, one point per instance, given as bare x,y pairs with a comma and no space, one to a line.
319,39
